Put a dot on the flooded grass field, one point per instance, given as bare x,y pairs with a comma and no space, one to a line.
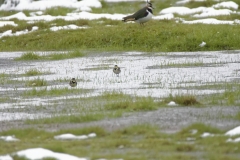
157,75
170,98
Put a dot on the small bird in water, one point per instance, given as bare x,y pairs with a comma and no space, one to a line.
116,70
143,15
73,82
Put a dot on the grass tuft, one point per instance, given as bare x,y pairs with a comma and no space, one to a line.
238,116
131,104
36,82
52,56
184,100
29,56
53,92
200,128
76,118
33,72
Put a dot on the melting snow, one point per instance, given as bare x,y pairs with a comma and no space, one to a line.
44,4
233,140
69,136
6,157
172,103
41,153
71,26
206,134
202,44
233,132
8,139
229,4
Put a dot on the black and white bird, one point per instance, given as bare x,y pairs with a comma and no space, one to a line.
73,82
116,70
143,15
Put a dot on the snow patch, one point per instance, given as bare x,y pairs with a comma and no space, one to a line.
233,132
9,138
41,153
69,136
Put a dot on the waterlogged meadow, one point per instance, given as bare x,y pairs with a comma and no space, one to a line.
177,95
155,94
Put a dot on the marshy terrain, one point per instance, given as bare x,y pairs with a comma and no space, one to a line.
174,98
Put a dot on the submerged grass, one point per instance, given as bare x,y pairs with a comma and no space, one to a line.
34,72
36,82
118,101
132,142
53,92
75,118
138,104
30,56
230,95
108,105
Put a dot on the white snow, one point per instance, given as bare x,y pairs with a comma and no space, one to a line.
206,134
233,140
71,26
172,103
84,6
9,138
4,23
69,136
40,153
9,32
209,21
182,10
194,131
6,157
202,44
165,16
44,4
187,1
211,12
233,132
229,4
219,9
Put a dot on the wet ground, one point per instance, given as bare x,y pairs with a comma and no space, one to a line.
143,74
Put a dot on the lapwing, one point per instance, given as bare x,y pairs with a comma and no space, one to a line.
143,15
116,70
73,82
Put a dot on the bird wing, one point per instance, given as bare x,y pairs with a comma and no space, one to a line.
141,13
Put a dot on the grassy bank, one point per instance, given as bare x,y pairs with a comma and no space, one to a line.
145,140
164,36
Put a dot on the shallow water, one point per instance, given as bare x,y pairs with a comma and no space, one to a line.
142,74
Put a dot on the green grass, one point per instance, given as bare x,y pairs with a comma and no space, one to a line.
30,56
229,97
108,105
207,3
118,101
136,142
171,37
178,65
58,11
75,118
133,104
155,36
36,82
238,116
33,72
53,92
183,100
